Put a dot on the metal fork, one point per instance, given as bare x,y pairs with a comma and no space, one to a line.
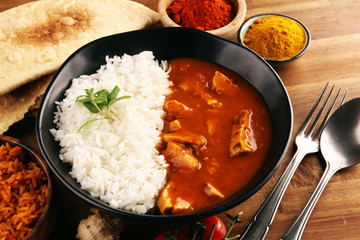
306,143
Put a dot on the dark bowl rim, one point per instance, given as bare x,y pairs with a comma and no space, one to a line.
261,15
40,161
149,217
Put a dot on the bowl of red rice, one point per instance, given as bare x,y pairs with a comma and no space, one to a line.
25,192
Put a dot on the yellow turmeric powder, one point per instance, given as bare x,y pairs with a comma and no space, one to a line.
276,38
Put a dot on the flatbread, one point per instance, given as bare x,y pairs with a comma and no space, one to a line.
34,109
37,37
14,105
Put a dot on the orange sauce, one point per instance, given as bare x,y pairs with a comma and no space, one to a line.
192,85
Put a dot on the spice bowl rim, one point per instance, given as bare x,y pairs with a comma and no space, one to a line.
225,31
35,156
248,22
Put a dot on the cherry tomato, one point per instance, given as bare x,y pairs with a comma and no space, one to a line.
179,236
219,231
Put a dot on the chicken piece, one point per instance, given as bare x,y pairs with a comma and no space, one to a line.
213,124
215,121
242,139
175,108
222,84
164,201
211,191
187,85
174,125
180,158
185,137
209,99
211,165
192,81
180,205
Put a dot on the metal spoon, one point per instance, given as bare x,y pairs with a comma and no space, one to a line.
340,147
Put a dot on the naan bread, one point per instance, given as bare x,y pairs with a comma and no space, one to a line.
33,110
36,38
14,105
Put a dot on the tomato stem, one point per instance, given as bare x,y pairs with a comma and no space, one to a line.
212,231
235,220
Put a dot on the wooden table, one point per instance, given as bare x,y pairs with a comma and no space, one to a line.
333,56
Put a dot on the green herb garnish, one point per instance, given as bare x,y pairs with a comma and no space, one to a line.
100,102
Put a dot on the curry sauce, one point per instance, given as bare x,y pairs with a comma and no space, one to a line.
216,135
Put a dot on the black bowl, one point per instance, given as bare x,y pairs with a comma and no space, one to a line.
167,44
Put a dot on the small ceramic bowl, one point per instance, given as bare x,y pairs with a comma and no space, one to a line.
246,25
43,227
225,32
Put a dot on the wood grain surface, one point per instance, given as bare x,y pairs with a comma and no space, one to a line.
333,57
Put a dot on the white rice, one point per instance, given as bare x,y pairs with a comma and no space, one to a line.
117,161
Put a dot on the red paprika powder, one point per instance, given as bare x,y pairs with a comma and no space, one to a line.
202,14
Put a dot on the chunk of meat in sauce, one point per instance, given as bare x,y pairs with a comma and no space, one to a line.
180,205
180,157
222,84
175,108
175,125
211,191
209,99
168,205
214,122
212,125
185,137
187,85
164,201
242,139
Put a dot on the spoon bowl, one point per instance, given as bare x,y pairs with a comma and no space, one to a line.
340,140
340,147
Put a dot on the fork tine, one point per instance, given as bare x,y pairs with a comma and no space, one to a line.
343,99
329,111
320,112
311,113
317,135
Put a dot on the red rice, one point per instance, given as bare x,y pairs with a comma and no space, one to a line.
23,193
